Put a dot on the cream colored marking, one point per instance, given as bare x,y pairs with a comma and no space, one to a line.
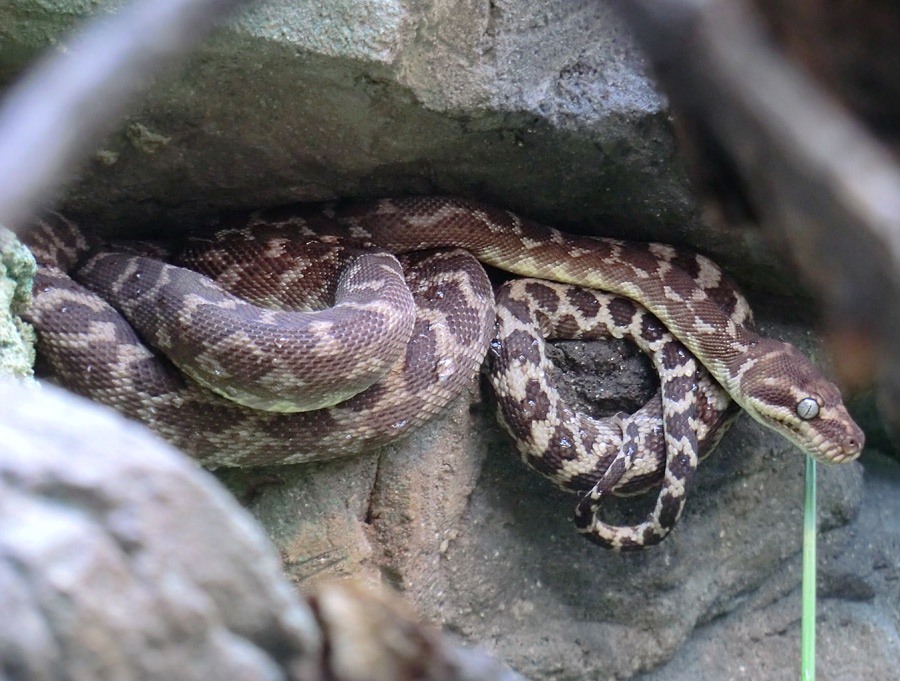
673,295
662,251
709,274
102,331
702,326
558,237
59,298
698,296
276,247
129,353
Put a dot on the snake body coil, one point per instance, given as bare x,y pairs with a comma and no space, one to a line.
700,338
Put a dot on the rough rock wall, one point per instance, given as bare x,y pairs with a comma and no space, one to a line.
543,107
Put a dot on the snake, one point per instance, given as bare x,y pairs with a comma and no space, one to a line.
96,309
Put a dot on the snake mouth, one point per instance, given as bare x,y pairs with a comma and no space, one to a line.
822,449
836,452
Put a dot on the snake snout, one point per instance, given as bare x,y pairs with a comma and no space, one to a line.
852,446
847,449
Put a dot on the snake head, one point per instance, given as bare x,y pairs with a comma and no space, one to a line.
785,392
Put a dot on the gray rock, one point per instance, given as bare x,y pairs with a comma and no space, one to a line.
858,622
543,107
119,559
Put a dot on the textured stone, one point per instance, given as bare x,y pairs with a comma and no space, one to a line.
543,107
386,516
858,621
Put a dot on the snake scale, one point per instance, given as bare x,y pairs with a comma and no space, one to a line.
94,309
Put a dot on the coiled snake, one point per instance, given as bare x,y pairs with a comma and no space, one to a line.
699,335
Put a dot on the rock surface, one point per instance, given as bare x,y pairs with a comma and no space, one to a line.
119,559
543,107
858,621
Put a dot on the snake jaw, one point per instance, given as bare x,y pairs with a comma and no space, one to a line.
825,443
831,439
779,378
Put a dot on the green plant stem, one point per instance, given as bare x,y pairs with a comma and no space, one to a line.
808,620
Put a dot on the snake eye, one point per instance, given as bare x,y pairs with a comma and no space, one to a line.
807,408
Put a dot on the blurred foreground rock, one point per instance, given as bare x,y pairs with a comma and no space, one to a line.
119,559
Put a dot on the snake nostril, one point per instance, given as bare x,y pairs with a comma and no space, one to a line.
852,445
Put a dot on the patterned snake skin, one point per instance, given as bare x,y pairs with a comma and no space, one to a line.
624,454
88,346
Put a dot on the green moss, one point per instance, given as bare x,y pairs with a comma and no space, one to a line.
17,338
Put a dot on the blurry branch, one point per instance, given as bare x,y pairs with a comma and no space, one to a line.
53,117
373,634
820,182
